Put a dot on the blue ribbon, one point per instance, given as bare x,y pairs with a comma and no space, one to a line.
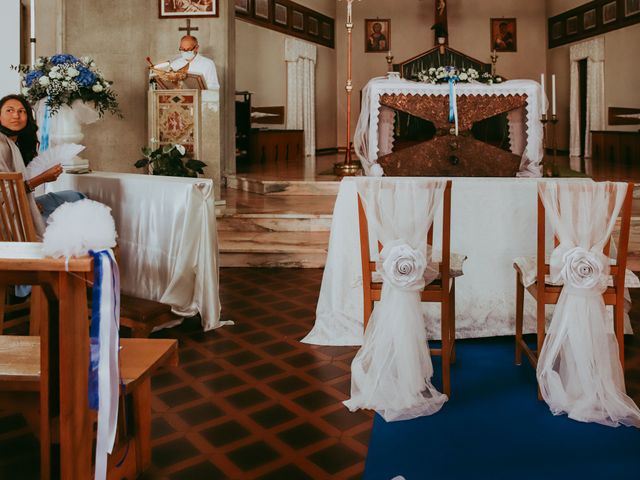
452,115
44,138
94,331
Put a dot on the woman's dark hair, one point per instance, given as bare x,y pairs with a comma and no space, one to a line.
27,140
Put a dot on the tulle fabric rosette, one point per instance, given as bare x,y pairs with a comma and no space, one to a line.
391,372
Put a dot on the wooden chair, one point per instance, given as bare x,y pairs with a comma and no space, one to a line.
442,290
545,293
16,225
139,359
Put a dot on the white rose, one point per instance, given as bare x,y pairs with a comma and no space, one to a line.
463,77
584,269
39,62
181,149
44,81
72,72
65,84
498,79
24,91
97,88
402,266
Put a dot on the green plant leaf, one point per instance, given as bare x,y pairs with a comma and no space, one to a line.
146,151
143,162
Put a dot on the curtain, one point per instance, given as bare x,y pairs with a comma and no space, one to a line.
301,90
579,371
593,51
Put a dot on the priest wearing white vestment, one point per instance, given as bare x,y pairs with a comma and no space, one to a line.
197,63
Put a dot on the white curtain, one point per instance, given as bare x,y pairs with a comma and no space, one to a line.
392,370
301,90
579,371
593,51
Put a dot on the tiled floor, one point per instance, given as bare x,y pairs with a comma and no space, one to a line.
250,401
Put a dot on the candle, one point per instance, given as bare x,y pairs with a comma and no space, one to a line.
32,15
553,94
542,109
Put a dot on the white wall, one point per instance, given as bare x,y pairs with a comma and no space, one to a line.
10,51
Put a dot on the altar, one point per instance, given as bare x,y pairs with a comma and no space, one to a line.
521,100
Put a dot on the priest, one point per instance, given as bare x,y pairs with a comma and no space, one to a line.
198,64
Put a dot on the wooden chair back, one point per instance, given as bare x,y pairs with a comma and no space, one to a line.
16,223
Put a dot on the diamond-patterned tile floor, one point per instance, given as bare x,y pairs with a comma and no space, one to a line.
249,401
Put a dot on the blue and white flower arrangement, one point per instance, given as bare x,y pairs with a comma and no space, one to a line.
62,79
464,75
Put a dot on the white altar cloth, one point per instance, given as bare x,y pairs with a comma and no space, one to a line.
493,221
373,137
167,237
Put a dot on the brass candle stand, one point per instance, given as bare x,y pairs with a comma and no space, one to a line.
389,59
550,168
350,166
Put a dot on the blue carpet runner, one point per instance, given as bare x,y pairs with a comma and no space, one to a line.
494,427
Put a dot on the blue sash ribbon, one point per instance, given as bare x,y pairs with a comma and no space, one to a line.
452,101
44,137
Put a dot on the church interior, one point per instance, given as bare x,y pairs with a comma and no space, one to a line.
241,286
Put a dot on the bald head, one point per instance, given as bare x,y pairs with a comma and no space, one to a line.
189,43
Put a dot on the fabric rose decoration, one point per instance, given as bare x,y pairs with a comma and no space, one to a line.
584,269
402,266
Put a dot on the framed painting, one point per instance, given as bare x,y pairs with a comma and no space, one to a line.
572,25
280,14
262,9
377,36
609,12
631,7
589,19
503,35
188,8
242,6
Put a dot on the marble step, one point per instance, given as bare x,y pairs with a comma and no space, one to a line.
273,249
283,187
274,223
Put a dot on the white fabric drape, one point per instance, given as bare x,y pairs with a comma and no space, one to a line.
579,371
593,51
301,90
391,372
373,136
166,234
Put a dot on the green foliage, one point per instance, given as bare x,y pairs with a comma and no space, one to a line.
170,160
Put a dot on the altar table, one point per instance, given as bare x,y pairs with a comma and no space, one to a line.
493,221
64,353
375,129
167,237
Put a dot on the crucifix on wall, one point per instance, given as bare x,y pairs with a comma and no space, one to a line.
188,28
440,22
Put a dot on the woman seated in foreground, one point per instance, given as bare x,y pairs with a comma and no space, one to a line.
18,146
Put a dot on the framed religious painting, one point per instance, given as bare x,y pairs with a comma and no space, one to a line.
503,35
188,8
631,7
377,36
609,12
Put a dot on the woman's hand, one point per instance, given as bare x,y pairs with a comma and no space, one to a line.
49,175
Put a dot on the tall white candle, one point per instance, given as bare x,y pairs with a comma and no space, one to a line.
553,94
32,15
542,96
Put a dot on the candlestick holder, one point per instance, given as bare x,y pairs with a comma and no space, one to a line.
350,166
389,58
494,60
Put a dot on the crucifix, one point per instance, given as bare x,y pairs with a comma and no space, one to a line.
440,21
188,28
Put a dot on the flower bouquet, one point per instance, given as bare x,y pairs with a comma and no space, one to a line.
170,160
62,79
464,75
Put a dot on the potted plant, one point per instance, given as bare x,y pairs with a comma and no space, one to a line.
170,160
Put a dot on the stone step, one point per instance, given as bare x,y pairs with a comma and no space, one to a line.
273,249
283,187
274,223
